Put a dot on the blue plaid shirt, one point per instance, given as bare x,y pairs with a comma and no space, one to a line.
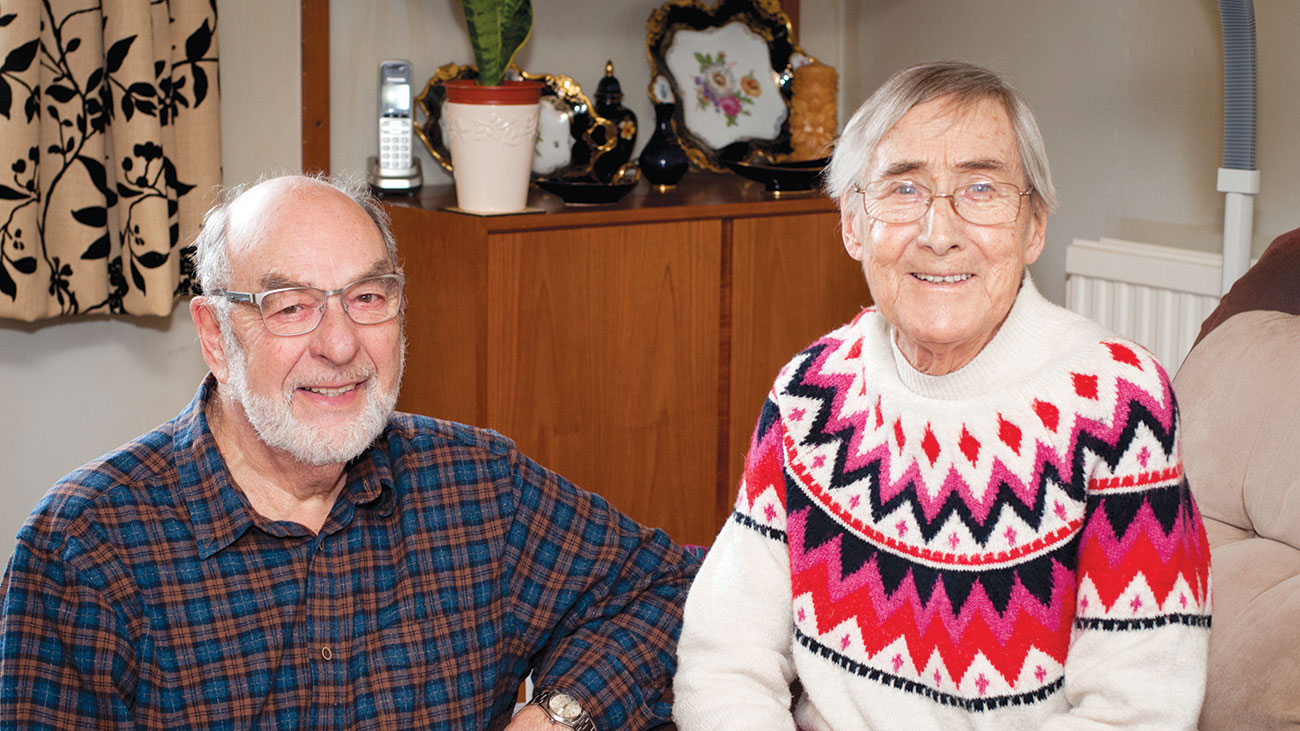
146,592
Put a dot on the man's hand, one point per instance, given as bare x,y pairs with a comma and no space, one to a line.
532,718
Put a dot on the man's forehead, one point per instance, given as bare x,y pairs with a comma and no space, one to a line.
303,235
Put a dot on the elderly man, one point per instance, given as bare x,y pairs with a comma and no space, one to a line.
288,552
965,509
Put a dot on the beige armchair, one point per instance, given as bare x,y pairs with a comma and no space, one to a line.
1240,402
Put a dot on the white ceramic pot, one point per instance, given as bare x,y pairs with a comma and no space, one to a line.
491,133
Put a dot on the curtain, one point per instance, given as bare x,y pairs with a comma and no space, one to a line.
110,152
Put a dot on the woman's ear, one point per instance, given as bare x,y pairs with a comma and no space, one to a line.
852,228
1037,236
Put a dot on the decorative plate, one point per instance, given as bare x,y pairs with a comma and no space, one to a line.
570,135
586,191
781,177
730,68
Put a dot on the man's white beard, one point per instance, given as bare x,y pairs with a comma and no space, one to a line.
274,422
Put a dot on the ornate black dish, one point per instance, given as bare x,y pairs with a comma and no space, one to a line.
586,191
781,177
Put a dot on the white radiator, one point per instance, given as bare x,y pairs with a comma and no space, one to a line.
1155,295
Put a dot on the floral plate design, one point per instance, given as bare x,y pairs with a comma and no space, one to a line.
730,69
570,135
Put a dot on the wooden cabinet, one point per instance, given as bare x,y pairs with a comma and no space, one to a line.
628,347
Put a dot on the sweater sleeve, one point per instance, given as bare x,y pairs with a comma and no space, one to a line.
735,662
1138,653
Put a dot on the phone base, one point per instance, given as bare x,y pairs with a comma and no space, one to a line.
403,179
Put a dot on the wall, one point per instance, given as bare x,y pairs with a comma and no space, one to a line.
1129,95
72,390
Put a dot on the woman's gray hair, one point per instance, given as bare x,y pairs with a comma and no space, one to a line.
212,268
964,83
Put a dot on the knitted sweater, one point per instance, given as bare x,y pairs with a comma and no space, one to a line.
1009,546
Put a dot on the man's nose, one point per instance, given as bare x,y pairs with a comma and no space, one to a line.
335,339
941,227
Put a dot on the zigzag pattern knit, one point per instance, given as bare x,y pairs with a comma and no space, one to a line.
951,543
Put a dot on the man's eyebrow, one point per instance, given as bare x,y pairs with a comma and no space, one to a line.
276,280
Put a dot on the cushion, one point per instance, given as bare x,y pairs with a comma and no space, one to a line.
1240,415
1269,285
1241,424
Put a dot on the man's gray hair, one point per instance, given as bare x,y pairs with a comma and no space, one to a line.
964,83
212,268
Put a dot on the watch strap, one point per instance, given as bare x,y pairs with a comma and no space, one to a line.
582,722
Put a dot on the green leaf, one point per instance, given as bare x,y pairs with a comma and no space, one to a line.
497,30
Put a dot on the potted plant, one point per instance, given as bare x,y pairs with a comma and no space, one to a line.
492,122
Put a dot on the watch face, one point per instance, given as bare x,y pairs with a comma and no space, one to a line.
565,706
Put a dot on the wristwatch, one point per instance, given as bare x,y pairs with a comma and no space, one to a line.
564,709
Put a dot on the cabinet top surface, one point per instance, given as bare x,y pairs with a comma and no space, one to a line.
698,195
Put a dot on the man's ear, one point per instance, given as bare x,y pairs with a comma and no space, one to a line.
852,229
209,330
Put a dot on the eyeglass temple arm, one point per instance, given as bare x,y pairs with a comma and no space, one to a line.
236,296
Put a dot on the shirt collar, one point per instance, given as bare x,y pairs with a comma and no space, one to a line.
220,513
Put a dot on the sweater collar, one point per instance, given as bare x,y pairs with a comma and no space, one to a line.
1017,349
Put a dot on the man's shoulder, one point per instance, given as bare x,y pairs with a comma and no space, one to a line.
121,480
417,432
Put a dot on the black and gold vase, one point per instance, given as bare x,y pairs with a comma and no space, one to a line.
663,161
609,104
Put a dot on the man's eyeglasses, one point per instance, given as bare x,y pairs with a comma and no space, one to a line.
983,202
298,310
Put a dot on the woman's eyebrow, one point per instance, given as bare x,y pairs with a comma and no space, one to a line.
984,163
903,167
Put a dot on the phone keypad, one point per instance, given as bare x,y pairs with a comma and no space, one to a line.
394,143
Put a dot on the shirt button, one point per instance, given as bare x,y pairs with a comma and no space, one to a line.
326,653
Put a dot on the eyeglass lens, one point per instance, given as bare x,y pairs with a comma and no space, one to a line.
299,310
982,202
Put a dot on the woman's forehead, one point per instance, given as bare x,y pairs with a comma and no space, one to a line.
947,136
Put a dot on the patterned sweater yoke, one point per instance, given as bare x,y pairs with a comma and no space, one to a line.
973,547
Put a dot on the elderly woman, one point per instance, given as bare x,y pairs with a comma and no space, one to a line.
965,508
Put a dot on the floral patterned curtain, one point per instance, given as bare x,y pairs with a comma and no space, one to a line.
110,152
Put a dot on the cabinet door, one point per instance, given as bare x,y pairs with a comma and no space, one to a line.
603,362
791,282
